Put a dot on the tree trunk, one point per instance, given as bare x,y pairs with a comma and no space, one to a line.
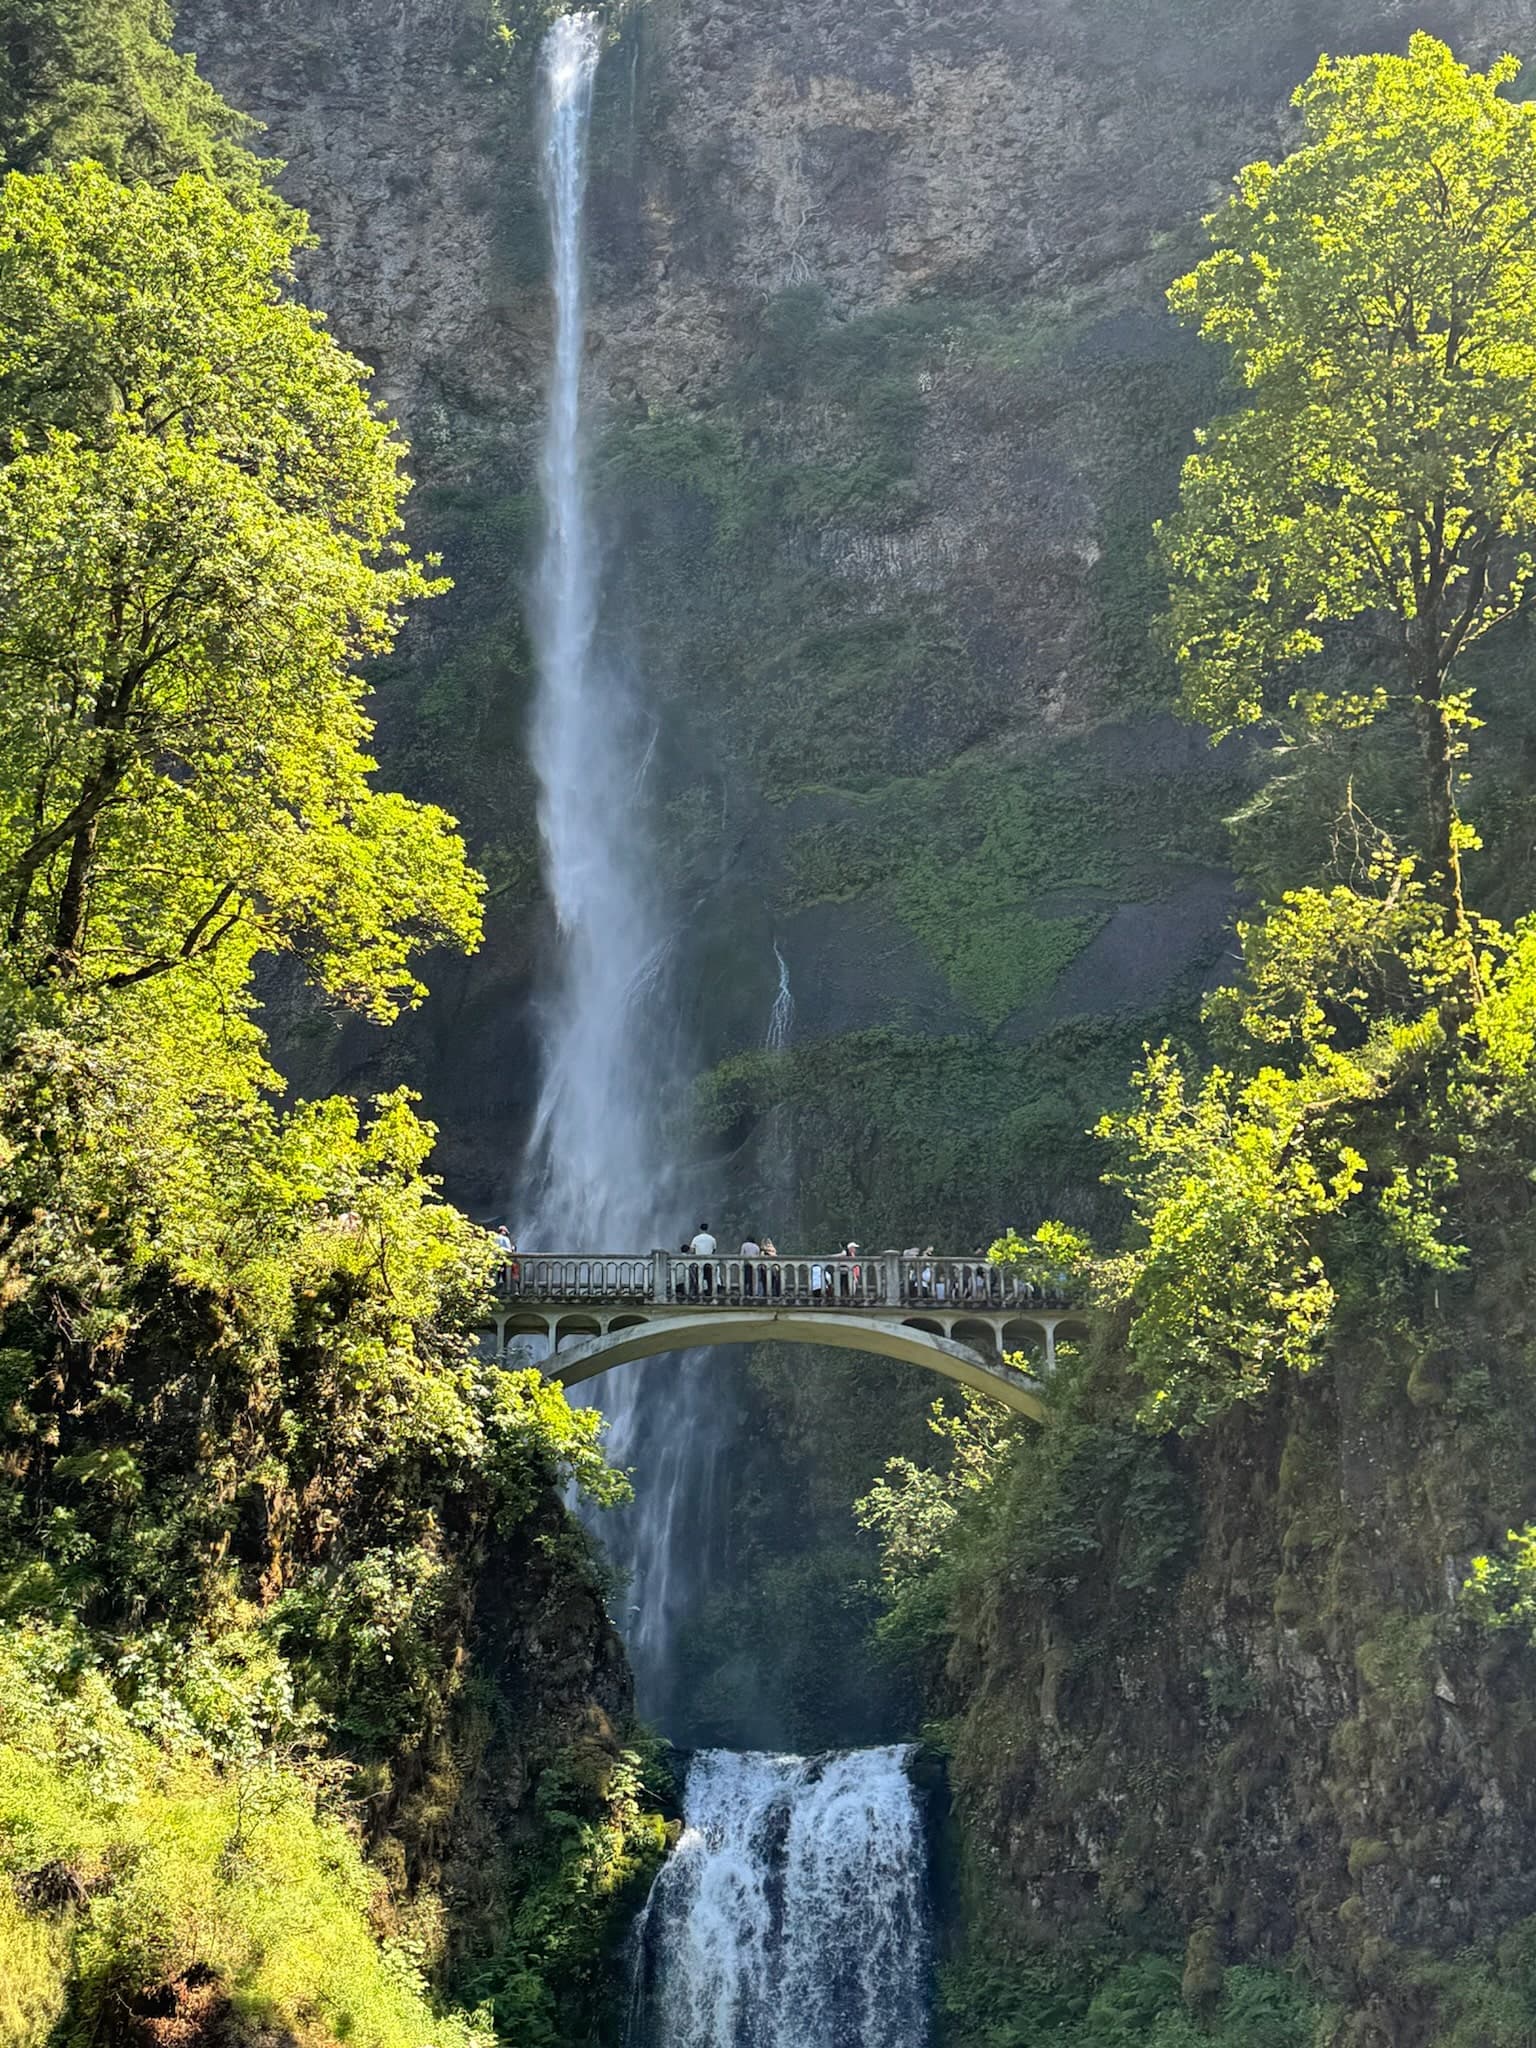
1437,756
69,928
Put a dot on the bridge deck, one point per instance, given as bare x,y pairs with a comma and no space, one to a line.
888,1280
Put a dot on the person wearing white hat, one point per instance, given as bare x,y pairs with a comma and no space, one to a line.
850,1277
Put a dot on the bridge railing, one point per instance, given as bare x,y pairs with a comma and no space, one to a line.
785,1283
892,1280
578,1277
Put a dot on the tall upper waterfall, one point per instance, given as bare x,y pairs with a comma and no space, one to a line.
793,1912
597,1164
600,1171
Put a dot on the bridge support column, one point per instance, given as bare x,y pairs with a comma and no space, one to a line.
893,1280
1050,1346
660,1274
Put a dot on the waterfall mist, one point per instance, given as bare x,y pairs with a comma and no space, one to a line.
600,1173
594,1155
793,1912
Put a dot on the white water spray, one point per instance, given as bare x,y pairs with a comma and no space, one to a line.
594,1152
600,1161
793,1912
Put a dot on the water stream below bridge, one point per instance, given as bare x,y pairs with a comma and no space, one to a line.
793,1910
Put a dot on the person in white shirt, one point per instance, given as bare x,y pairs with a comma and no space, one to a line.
705,1247
750,1275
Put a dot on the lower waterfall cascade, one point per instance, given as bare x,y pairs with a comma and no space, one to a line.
793,1912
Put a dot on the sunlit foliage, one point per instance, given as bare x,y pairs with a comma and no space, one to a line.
198,544
1377,290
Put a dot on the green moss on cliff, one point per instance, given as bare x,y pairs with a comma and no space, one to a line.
973,855
904,1137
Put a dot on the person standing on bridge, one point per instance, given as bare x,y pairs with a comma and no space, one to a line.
750,1249
851,1273
776,1280
508,1250
704,1247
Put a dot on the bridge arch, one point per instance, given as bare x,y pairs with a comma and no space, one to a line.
918,1341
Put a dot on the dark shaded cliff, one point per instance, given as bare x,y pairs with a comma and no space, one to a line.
1226,1699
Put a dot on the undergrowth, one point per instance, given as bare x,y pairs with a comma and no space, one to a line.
150,1858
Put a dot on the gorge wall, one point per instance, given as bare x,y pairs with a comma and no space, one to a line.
892,406
892,403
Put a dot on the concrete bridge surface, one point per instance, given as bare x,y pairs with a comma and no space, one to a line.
961,1318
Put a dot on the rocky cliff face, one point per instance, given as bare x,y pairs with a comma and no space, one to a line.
891,403
1228,1694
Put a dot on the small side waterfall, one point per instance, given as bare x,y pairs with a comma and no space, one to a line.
793,1912
776,1151
781,1018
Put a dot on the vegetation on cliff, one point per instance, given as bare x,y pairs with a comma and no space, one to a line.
1232,1656
256,1477
99,79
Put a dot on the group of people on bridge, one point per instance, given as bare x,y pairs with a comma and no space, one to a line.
701,1272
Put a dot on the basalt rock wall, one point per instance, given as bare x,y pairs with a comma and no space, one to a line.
889,404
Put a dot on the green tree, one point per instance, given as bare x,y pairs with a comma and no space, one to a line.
99,78
1378,291
199,519
1339,1089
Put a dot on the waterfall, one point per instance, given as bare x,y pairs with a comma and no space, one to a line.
781,1018
594,1155
600,1170
793,1912
776,1153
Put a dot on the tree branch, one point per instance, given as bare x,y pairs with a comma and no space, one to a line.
190,948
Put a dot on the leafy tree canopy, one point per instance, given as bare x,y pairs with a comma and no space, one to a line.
99,78
255,1467
1341,543
1378,292
199,518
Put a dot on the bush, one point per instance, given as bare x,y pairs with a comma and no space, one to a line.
150,1865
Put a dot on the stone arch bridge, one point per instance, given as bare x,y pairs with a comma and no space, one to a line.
956,1317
